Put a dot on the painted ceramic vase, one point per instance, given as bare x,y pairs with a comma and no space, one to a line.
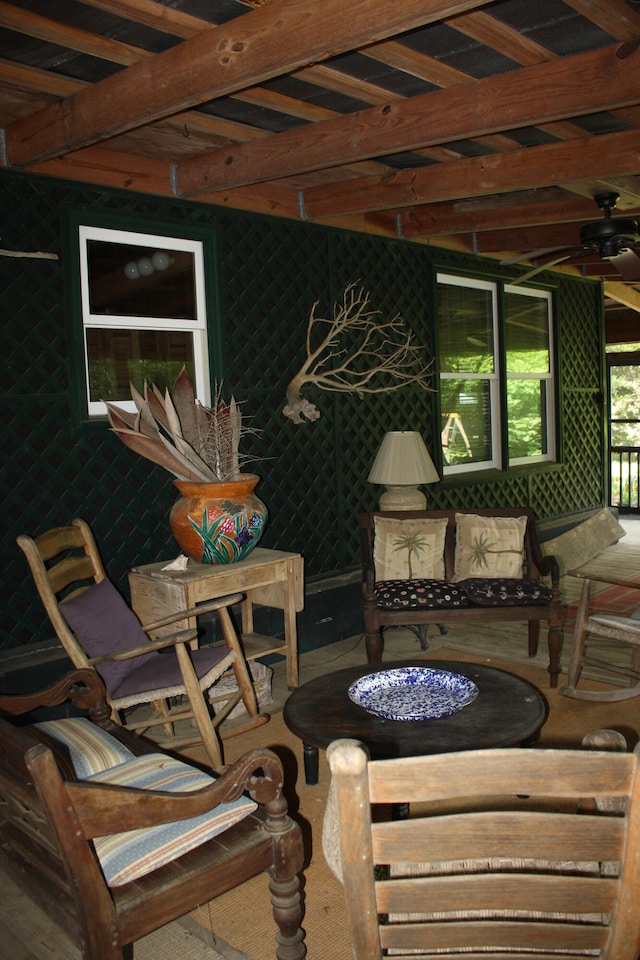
218,522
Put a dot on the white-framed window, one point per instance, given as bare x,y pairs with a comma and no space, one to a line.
143,314
469,374
496,374
530,386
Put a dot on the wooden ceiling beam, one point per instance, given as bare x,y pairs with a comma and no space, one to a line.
126,171
390,52
525,169
532,238
64,35
154,15
496,35
39,81
615,17
440,219
110,168
269,41
622,293
570,86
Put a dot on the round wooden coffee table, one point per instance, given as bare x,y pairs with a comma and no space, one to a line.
508,711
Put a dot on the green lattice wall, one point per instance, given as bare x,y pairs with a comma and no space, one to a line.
314,475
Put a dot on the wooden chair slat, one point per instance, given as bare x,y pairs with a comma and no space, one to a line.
515,935
558,773
488,892
519,835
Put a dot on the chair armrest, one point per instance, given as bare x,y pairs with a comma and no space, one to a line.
630,584
83,687
105,809
207,607
182,636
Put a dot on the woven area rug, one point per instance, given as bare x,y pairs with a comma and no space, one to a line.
243,916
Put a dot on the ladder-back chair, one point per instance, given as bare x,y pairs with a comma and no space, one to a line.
97,629
498,857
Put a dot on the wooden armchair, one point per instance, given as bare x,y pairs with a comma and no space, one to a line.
499,856
98,630
92,849
609,631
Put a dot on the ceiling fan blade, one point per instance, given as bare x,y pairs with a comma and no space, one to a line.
540,268
532,255
627,264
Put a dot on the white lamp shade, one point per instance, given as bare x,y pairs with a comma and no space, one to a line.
403,459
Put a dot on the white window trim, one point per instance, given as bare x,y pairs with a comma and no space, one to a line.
493,379
495,388
547,378
198,324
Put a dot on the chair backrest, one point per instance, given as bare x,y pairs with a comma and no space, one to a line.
64,562
498,853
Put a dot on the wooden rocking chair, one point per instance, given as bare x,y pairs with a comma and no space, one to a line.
98,630
611,631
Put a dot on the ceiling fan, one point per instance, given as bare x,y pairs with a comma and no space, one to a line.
614,238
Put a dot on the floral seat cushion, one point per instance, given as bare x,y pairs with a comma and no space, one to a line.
428,594
419,594
505,591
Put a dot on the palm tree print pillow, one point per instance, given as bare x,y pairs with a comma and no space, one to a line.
489,546
409,549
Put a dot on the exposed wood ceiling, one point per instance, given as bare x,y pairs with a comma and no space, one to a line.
483,125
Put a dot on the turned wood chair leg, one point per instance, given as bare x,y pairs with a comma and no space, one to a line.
374,645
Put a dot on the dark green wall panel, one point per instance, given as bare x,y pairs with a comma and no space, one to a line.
269,274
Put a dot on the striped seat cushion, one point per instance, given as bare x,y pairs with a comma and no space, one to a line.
86,752
80,747
125,856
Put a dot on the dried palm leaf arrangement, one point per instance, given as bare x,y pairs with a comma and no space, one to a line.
173,429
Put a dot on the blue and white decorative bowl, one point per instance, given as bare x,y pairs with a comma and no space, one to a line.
413,693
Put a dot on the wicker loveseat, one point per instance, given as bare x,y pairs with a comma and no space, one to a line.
458,566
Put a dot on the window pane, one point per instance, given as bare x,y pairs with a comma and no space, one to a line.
117,357
526,333
466,421
465,329
526,401
128,280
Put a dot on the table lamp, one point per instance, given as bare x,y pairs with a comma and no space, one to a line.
402,464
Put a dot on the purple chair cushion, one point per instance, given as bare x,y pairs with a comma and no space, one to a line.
103,623
163,670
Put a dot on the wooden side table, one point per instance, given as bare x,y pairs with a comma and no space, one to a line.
508,711
272,578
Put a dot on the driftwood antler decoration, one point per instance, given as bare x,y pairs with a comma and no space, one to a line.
359,353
